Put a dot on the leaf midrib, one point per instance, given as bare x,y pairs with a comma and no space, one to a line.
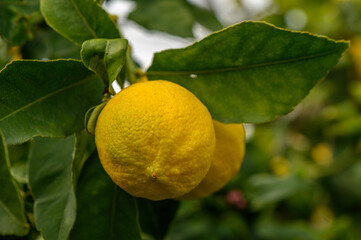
49,95
83,19
240,68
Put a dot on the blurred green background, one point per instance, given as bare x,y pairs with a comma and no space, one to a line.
301,176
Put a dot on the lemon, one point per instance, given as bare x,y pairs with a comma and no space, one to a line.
228,157
155,140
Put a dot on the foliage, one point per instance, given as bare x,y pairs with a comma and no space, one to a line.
247,79
301,174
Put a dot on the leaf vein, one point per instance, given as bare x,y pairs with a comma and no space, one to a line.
84,19
240,68
45,97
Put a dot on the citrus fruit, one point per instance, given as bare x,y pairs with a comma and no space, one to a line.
155,140
228,157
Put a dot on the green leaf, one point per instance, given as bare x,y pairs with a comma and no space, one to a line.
173,17
104,210
78,20
250,72
50,179
19,20
19,159
48,44
12,217
91,117
84,147
45,98
205,17
105,57
24,7
156,217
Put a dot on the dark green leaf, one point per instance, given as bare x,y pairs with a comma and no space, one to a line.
19,158
45,98
105,57
50,179
78,20
205,17
250,72
12,217
48,44
173,17
19,19
84,147
22,6
156,217
104,210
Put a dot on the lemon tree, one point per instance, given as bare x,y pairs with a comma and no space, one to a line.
80,161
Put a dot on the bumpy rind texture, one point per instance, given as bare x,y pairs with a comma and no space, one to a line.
228,157
155,140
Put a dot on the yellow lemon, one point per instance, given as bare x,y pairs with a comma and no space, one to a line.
228,157
155,140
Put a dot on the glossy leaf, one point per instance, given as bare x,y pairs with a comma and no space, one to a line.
250,72
104,210
105,57
78,20
19,159
12,213
156,217
50,179
19,20
45,98
172,17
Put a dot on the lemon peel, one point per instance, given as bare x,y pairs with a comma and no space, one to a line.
155,140
228,157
